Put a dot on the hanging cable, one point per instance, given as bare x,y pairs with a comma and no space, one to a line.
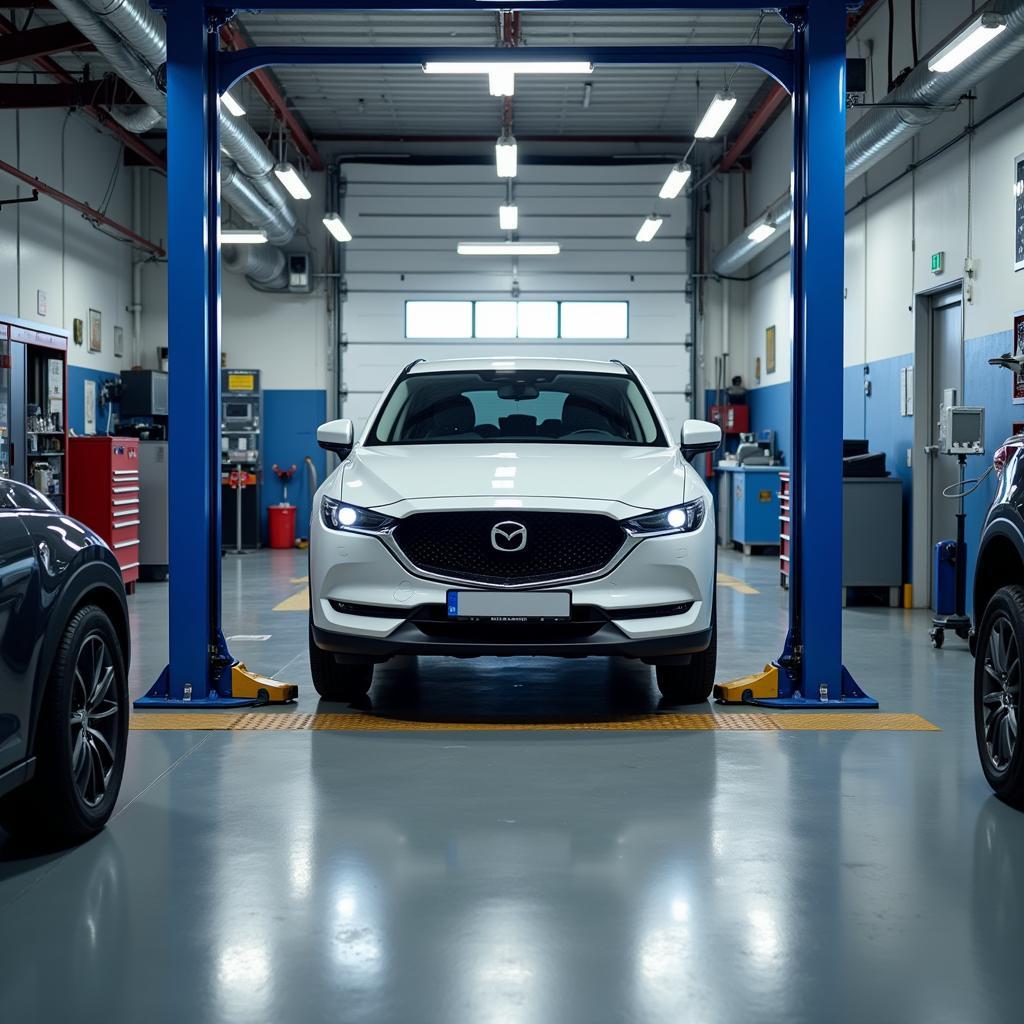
913,31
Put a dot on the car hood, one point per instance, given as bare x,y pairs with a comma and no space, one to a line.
644,478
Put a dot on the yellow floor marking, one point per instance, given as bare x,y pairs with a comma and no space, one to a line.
259,721
296,603
300,579
734,584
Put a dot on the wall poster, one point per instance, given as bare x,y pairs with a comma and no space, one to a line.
1017,351
769,350
1018,195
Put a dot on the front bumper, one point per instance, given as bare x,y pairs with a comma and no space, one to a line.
359,571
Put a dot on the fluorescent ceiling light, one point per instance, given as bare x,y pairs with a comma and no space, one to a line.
289,177
649,228
762,231
242,236
515,67
503,82
968,42
334,224
716,115
508,218
677,178
507,153
234,107
509,248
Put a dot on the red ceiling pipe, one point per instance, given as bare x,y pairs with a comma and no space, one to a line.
267,88
753,127
133,142
83,208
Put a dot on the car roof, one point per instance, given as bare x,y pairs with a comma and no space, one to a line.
517,363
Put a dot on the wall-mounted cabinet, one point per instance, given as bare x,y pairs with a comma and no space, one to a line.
33,406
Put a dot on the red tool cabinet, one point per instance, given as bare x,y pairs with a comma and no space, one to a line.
103,478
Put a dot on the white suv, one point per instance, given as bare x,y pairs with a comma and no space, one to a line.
514,507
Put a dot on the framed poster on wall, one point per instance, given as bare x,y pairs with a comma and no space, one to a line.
95,331
1018,352
769,349
1018,220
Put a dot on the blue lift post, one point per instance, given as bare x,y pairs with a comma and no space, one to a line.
201,672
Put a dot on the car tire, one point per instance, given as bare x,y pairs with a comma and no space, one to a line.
693,683
998,684
81,737
336,682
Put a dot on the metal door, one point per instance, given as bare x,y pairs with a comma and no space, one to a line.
947,351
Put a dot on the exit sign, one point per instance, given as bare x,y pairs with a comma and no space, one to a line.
938,262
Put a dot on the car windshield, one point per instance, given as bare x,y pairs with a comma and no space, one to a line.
537,406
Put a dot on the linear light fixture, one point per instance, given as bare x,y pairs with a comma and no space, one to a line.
965,44
515,67
507,154
243,236
716,115
234,107
649,228
676,180
502,83
508,217
509,248
334,224
289,177
762,232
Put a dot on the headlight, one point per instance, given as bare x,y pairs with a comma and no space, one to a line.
336,515
681,519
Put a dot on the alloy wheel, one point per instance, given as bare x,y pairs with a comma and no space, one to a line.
94,721
1001,693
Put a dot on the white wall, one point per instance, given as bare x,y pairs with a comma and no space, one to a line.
408,220
46,246
890,238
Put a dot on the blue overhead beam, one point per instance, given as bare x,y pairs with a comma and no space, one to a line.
235,65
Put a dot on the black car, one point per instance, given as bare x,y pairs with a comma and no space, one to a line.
64,651
998,643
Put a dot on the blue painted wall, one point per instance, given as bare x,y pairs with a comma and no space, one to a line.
290,419
876,417
77,376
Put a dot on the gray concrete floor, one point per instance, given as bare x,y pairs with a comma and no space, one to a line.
562,877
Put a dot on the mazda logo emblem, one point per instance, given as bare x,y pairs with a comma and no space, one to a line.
508,537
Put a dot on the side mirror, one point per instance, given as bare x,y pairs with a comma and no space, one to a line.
699,436
337,436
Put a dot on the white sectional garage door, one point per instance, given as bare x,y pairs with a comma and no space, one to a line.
407,221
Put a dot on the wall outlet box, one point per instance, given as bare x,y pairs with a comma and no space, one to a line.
41,303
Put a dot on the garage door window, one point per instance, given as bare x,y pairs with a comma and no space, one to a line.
537,320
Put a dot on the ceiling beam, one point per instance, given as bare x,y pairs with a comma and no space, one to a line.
42,42
758,120
132,142
675,142
65,94
266,85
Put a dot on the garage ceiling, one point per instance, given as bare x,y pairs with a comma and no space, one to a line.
626,102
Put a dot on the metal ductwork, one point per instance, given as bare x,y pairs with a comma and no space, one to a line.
263,266
134,40
243,195
918,101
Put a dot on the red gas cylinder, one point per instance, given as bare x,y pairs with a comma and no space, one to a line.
281,526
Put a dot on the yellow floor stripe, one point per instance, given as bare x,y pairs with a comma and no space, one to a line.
296,603
261,721
724,580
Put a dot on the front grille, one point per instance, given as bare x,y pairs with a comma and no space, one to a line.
559,545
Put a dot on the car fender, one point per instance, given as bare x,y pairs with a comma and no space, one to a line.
96,578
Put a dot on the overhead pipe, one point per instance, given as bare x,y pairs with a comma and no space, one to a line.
263,266
134,39
918,101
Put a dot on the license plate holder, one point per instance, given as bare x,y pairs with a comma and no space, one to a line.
510,606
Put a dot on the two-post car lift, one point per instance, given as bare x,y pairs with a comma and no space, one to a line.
809,672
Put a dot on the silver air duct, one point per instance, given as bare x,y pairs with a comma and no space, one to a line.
134,41
263,265
890,124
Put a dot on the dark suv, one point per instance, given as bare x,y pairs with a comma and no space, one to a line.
998,643
64,650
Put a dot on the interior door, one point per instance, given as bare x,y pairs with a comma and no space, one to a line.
947,372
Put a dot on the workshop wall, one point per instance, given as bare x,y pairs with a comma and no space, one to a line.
959,203
54,265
